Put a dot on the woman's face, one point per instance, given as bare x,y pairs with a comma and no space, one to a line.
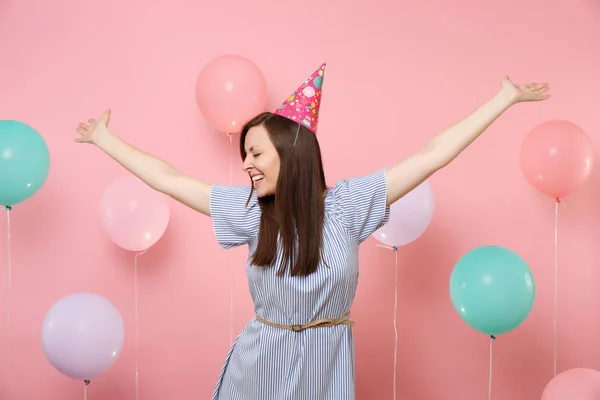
262,161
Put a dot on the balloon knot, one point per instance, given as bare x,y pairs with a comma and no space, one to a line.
493,337
87,382
8,208
558,200
394,248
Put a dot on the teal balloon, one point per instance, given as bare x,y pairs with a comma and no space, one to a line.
492,289
24,162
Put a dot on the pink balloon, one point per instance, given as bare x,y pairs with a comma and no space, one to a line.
134,215
409,217
230,90
574,384
557,158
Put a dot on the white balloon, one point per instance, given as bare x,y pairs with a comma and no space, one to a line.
409,217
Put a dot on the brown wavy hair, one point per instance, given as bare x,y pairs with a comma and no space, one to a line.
296,211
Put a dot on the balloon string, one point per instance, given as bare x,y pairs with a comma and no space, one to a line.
230,255
555,276
9,289
87,383
395,327
395,249
137,324
230,158
492,338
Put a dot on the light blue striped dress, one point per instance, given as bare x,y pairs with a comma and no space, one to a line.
267,363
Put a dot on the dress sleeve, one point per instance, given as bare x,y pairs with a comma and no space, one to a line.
360,204
234,222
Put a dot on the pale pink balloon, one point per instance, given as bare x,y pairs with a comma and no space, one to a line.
574,384
134,215
230,90
409,217
557,157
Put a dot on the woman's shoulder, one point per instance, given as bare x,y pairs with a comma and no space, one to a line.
237,191
360,183
230,197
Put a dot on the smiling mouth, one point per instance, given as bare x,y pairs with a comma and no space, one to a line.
256,179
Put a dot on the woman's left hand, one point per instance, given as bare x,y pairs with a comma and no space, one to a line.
527,92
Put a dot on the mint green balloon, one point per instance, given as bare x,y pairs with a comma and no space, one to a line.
24,162
492,289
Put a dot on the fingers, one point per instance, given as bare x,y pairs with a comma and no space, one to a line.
538,91
543,91
537,96
82,128
537,86
543,97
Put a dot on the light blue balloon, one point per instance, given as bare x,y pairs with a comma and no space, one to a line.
492,289
24,162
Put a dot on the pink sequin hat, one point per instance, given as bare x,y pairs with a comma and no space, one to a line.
303,105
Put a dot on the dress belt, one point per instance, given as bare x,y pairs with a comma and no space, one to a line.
313,324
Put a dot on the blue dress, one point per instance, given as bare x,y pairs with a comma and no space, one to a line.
268,363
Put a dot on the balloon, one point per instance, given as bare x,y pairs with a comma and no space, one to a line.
557,158
574,384
492,289
82,335
134,215
230,90
24,162
409,217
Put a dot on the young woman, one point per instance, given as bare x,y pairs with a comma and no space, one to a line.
303,237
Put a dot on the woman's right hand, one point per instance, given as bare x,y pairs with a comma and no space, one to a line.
94,129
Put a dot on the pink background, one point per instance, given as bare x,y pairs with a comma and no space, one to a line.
395,77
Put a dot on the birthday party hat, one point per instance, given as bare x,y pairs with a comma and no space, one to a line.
303,105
